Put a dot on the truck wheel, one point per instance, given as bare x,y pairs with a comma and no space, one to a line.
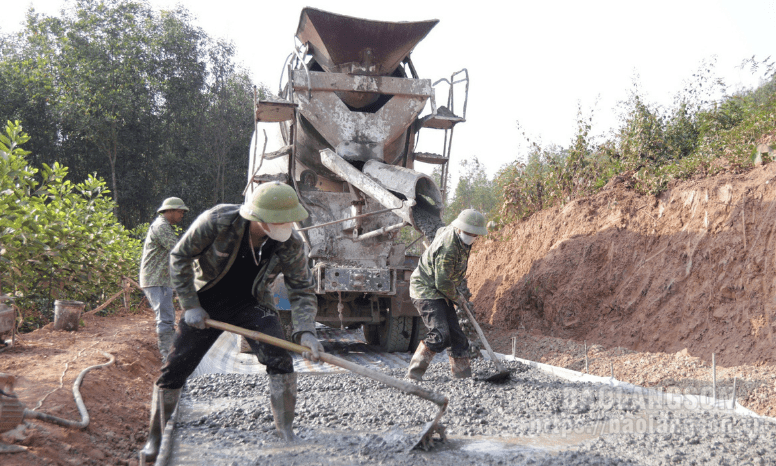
419,331
370,334
394,334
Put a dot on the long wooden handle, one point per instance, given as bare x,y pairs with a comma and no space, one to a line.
482,335
402,385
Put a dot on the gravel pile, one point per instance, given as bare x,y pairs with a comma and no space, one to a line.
534,418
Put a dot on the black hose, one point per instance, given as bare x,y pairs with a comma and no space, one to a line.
78,400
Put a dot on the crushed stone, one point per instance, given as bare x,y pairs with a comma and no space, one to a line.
533,418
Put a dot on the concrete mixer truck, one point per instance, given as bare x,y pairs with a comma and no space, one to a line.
344,126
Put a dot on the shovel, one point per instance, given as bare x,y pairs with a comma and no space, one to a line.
503,374
426,439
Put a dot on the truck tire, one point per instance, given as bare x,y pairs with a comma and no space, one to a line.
370,334
395,334
419,331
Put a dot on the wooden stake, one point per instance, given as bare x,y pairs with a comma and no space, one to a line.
733,405
134,283
16,311
514,347
112,298
586,368
714,377
105,304
125,289
611,369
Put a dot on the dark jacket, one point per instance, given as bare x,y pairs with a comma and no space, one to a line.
208,249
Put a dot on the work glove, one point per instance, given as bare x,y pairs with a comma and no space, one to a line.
316,348
195,317
463,289
461,302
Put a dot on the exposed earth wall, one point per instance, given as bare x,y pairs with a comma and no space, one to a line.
691,268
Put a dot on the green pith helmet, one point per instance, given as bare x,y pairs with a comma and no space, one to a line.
472,222
172,203
274,202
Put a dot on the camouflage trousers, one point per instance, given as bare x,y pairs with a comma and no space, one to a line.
443,330
475,345
191,344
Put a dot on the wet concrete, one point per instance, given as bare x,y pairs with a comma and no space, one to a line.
534,418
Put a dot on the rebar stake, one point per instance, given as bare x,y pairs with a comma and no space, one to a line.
586,371
611,368
733,404
514,347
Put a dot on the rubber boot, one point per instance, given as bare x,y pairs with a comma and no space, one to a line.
282,398
461,367
420,361
163,403
164,342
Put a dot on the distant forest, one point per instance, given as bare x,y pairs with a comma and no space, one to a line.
138,97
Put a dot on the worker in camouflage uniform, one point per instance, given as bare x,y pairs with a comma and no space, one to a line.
155,269
240,250
434,292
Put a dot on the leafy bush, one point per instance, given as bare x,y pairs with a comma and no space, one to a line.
554,175
58,239
698,136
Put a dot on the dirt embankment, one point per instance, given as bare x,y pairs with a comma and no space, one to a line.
692,268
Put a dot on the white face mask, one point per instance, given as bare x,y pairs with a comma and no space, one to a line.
466,238
279,232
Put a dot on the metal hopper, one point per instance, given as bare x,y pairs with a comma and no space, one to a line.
343,44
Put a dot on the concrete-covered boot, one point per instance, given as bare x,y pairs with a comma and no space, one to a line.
163,403
282,398
420,361
461,367
164,342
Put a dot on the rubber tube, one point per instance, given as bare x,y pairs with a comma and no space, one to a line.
78,401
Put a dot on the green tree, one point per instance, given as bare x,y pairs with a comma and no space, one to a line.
141,97
107,93
170,164
227,125
28,90
473,191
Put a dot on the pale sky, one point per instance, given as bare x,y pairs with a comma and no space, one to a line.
532,62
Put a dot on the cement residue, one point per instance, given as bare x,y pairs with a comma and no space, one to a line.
534,418
427,219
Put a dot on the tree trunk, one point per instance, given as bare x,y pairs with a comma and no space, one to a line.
112,155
